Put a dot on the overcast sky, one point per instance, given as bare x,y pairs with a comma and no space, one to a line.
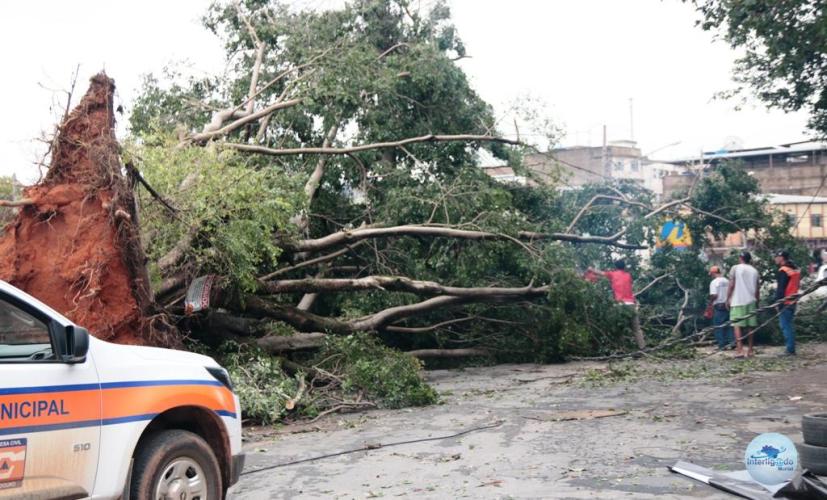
585,58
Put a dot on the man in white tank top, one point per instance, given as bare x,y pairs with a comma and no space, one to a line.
743,302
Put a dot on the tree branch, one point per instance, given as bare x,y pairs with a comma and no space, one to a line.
316,177
251,148
354,235
279,343
136,174
448,353
310,262
396,284
391,49
17,203
652,283
382,318
177,252
430,328
308,322
600,197
245,119
682,311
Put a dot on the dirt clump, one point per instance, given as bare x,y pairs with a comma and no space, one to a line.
76,246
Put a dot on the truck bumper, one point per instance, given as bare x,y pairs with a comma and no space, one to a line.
236,466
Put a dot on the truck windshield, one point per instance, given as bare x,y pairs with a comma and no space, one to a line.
22,335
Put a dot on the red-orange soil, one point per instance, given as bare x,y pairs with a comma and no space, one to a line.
77,247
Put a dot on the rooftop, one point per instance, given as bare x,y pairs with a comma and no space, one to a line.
793,148
781,199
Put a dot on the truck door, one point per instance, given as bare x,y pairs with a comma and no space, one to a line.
50,411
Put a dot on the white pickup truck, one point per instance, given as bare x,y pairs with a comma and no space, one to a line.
81,418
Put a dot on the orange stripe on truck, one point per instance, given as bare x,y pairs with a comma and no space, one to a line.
123,402
36,409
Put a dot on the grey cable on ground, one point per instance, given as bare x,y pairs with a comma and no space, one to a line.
377,446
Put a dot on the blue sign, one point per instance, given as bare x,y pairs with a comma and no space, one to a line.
676,234
771,458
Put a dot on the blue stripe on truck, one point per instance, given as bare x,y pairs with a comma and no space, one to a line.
9,391
91,423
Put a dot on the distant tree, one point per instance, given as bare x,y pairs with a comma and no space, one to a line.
7,192
785,51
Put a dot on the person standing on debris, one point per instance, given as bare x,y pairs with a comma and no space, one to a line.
621,282
742,301
718,293
789,279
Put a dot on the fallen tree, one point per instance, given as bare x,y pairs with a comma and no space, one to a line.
343,197
263,191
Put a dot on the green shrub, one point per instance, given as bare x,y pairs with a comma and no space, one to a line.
385,376
262,386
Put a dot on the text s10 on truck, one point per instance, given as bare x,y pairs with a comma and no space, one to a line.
81,418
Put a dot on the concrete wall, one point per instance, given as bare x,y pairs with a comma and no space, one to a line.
676,183
575,166
581,165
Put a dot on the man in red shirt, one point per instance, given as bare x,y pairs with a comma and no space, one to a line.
621,282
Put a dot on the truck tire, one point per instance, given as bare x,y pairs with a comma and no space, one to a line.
172,463
813,458
814,428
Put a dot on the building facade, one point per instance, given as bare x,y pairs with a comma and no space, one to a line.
808,214
794,169
579,165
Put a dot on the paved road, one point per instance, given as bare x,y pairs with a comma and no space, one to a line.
527,451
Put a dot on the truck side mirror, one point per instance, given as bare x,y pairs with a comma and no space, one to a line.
77,344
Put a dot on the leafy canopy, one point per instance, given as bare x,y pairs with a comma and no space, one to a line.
784,45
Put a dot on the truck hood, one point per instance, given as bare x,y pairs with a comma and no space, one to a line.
156,354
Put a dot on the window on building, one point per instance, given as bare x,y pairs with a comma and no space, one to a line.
635,166
815,220
618,166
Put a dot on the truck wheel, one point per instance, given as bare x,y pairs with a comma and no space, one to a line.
814,428
813,458
176,465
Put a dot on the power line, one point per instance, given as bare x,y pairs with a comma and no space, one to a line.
377,446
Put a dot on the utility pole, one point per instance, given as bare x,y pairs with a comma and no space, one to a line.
604,156
631,119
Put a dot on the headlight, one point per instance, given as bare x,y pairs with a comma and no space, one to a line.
221,375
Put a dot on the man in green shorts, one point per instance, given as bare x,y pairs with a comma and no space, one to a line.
742,301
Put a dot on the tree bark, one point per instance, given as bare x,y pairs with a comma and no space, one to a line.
308,322
307,301
245,119
281,343
354,235
16,203
307,263
396,284
178,252
316,177
448,353
251,148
